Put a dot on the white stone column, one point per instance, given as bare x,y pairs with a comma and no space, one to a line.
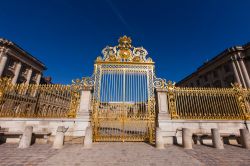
17,72
240,72
235,72
38,79
29,76
2,63
244,72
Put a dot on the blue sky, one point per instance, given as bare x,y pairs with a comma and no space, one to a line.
67,35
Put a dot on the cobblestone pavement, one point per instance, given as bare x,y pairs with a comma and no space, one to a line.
126,154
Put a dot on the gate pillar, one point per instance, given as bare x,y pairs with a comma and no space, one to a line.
164,117
83,113
85,104
162,105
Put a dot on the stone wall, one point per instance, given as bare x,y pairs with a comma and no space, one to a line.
171,129
75,127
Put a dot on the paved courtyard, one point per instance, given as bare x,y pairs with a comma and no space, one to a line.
125,154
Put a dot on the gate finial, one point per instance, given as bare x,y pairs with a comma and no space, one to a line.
124,52
124,42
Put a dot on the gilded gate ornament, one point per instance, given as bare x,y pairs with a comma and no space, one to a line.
124,52
172,100
241,97
76,87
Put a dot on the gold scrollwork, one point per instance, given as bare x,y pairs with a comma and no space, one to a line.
124,52
172,99
241,98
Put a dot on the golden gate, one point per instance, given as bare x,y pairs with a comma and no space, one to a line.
123,98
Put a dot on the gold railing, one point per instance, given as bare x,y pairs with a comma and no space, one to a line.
208,103
38,101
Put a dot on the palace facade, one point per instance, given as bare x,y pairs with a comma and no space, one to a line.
19,65
230,66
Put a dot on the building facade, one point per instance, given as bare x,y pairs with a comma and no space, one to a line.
230,66
18,64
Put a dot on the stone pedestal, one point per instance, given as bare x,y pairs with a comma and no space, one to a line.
88,138
85,103
162,104
187,138
159,139
26,138
59,138
216,139
164,116
245,138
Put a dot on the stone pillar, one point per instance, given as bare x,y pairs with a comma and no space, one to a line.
239,70
245,138
244,72
235,72
159,139
38,79
187,138
88,138
85,102
29,76
26,138
59,138
2,64
17,71
216,139
162,104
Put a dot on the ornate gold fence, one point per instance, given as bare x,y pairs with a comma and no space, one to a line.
208,103
247,102
38,101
